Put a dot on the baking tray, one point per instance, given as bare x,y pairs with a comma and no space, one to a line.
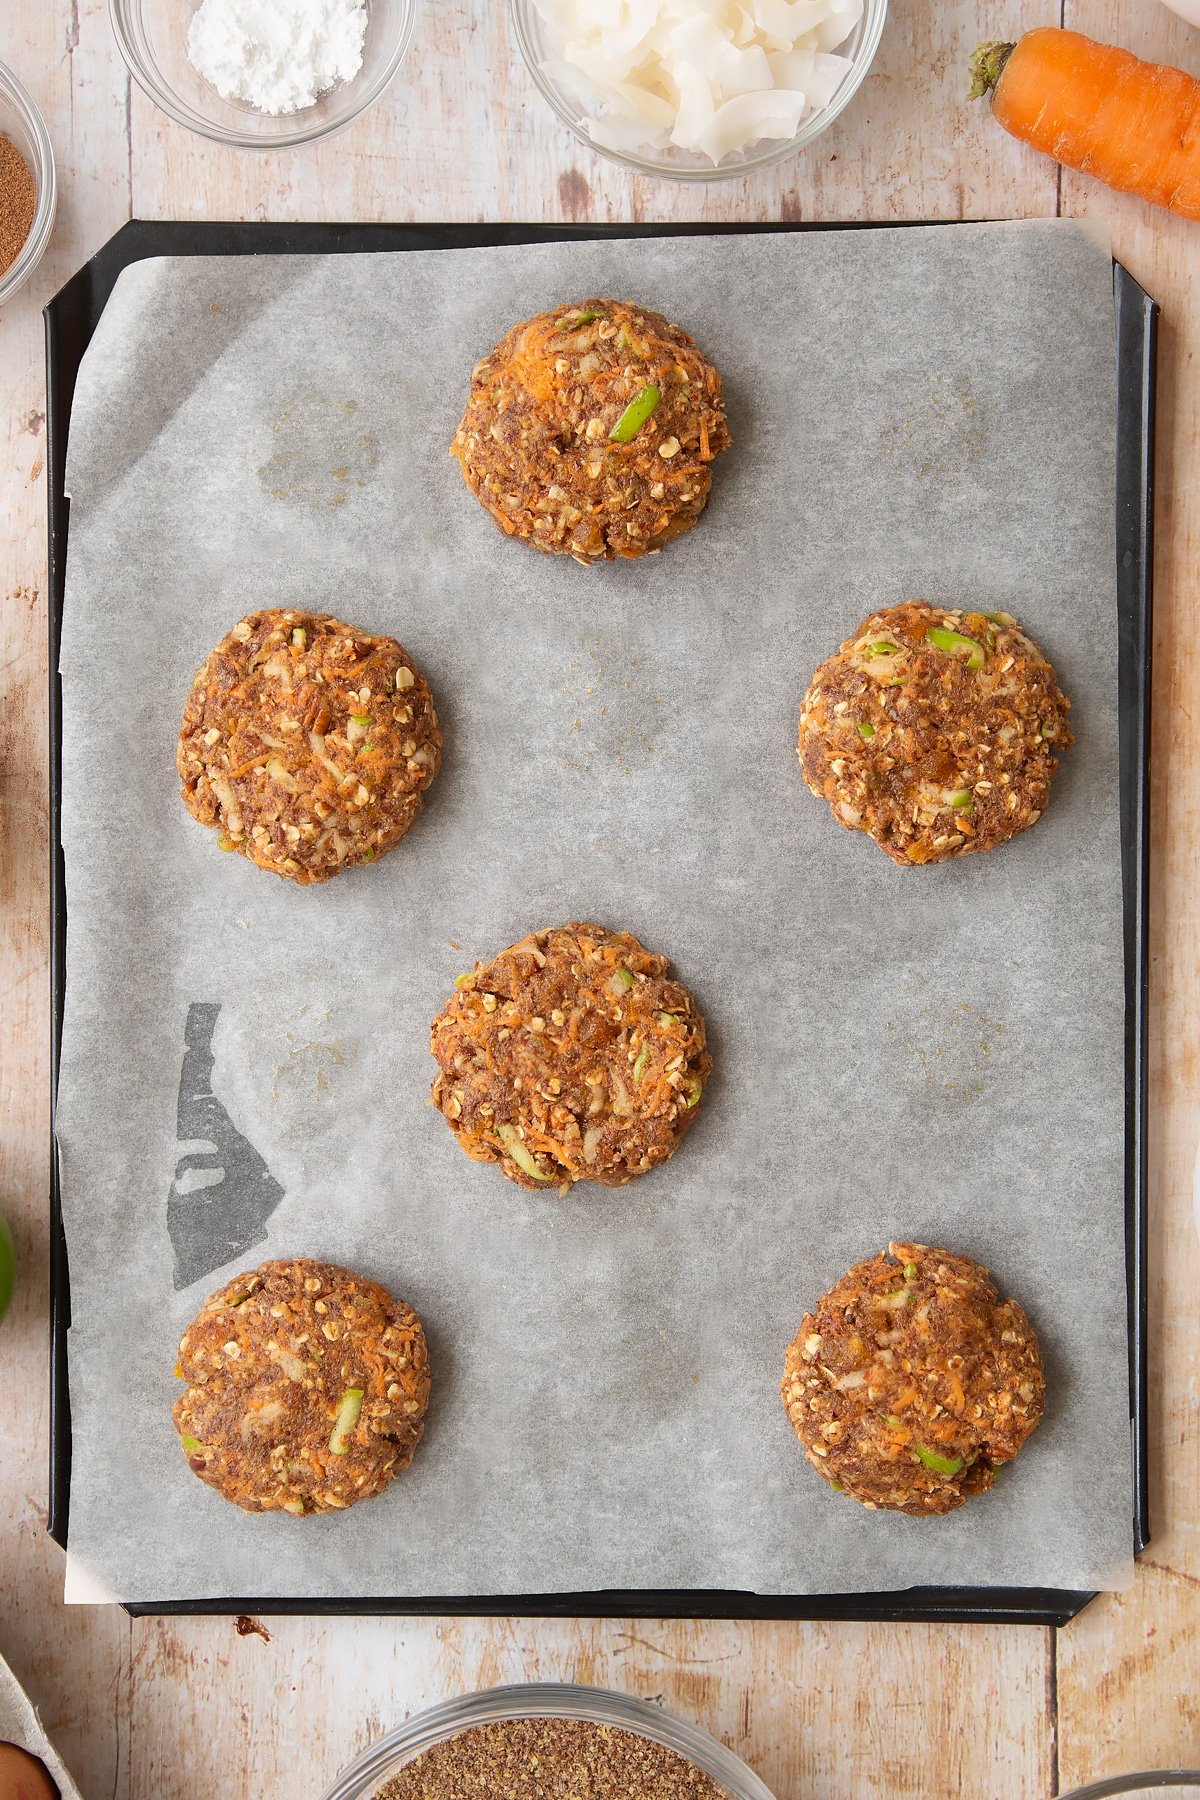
71,318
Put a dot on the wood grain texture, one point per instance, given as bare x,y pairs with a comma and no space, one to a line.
183,1709
1128,1687
464,134
76,1669
820,1712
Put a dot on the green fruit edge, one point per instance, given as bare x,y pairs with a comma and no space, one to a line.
8,1263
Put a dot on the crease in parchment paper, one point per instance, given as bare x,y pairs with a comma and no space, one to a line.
930,1053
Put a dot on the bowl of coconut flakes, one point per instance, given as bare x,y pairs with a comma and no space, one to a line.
263,74
698,90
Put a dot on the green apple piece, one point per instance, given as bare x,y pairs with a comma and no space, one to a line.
8,1265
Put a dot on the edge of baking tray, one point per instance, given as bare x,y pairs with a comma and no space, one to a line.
1137,359
70,319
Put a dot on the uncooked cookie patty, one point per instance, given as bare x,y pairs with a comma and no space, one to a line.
572,1056
591,430
307,1388
307,743
934,731
912,1381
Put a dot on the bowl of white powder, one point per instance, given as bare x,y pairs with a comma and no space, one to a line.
263,74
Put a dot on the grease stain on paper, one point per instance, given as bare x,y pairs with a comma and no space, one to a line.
320,453
649,1371
306,1065
614,718
948,1051
940,436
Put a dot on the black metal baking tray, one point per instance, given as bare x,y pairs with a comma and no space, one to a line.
71,319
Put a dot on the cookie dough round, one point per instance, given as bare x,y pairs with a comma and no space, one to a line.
307,1388
307,743
572,1056
934,731
912,1381
591,430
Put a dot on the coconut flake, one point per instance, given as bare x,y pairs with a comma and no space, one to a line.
709,76
748,117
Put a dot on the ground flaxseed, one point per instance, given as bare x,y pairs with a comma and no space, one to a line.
18,202
550,1759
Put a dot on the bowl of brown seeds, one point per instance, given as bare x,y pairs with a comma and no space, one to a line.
27,185
548,1741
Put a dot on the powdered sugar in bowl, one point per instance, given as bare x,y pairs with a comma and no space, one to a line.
153,36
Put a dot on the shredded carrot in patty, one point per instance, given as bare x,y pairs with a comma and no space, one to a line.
255,762
590,1069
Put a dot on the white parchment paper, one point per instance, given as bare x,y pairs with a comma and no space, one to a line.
20,1725
932,1053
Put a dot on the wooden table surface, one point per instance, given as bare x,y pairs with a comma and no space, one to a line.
180,1709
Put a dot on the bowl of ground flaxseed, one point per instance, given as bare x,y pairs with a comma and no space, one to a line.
548,1741
27,187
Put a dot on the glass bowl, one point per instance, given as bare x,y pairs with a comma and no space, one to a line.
545,1700
152,35
22,123
537,47
1134,1787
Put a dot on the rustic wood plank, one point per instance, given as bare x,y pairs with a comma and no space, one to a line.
464,134
1127,1669
75,1668
823,1712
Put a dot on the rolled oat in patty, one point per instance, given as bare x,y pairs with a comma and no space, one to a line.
912,1381
591,430
572,1056
307,743
934,731
307,1388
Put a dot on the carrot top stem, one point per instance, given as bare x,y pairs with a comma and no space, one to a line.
987,66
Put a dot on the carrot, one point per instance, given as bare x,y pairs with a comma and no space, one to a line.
255,762
1132,124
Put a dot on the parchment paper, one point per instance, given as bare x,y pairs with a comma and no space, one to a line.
20,1725
933,1054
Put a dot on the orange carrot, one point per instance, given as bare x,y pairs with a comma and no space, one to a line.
1132,124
